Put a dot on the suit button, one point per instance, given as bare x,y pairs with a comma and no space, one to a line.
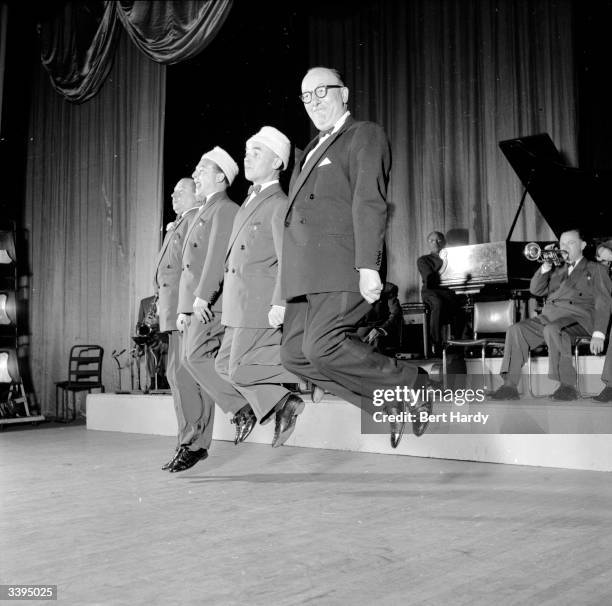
233,271
164,284
201,222
195,244
242,247
187,266
302,220
169,266
226,270
311,196
287,223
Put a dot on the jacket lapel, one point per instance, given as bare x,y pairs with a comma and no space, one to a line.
199,215
308,166
246,212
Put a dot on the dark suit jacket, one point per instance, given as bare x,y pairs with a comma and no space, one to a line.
337,212
251,282
168,269
429,266
584,295
204,252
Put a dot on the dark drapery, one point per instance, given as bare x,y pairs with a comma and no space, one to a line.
448,80
78,45
92,209
173,31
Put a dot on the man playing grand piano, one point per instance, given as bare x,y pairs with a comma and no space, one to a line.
578,304
444,305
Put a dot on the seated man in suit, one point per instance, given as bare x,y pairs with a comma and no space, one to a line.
604,256
578,304
381,327
444,305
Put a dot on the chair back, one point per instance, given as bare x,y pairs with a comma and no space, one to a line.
493,316
85,365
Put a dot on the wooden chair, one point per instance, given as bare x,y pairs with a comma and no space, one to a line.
84,374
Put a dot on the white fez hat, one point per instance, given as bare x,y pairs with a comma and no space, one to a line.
273,139
224,161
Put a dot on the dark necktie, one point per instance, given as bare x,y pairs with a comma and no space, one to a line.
254,189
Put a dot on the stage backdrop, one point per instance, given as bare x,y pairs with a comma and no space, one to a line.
448,80
93,208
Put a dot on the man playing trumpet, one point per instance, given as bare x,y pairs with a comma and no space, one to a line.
578,303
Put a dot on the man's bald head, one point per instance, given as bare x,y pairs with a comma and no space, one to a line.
326,110
183,196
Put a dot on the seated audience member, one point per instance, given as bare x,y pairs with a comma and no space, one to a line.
444,305
578,303
382,325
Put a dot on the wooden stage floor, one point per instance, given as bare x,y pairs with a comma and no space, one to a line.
93,513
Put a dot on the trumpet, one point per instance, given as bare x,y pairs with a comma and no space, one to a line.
554,255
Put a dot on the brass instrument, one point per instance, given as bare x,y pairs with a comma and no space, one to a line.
554,255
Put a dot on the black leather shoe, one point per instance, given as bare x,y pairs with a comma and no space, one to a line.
170,463
505,392
565,393
286,418
244,420
397,426
605,396
317,394
421,384
188,458
421,423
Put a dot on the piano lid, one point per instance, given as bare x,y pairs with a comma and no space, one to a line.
566,196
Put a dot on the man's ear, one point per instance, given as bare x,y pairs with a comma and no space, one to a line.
345,95
277,163
219,177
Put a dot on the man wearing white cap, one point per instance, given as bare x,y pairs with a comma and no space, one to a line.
199,302
249,357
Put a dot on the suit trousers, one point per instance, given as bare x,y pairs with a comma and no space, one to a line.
320,343
533,332
444,308
606,375
249,359
201,345
185,390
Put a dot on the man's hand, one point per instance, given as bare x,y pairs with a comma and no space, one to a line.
276,316
597,345
182,322
202,311
370,285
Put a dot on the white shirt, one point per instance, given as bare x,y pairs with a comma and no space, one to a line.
337,126
263,186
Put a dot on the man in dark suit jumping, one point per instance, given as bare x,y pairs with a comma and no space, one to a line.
333,245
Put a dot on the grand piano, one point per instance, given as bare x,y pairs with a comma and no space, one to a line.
500,268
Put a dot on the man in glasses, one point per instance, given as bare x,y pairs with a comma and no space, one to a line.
333,251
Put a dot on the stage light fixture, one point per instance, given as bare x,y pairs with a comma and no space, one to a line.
9,367
8,308
7,247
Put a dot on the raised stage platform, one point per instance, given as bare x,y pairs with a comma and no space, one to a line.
573,435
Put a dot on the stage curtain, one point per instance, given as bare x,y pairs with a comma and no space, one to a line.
78,46
92,209
448,80
172,31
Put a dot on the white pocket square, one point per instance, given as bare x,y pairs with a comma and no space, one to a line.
324,162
